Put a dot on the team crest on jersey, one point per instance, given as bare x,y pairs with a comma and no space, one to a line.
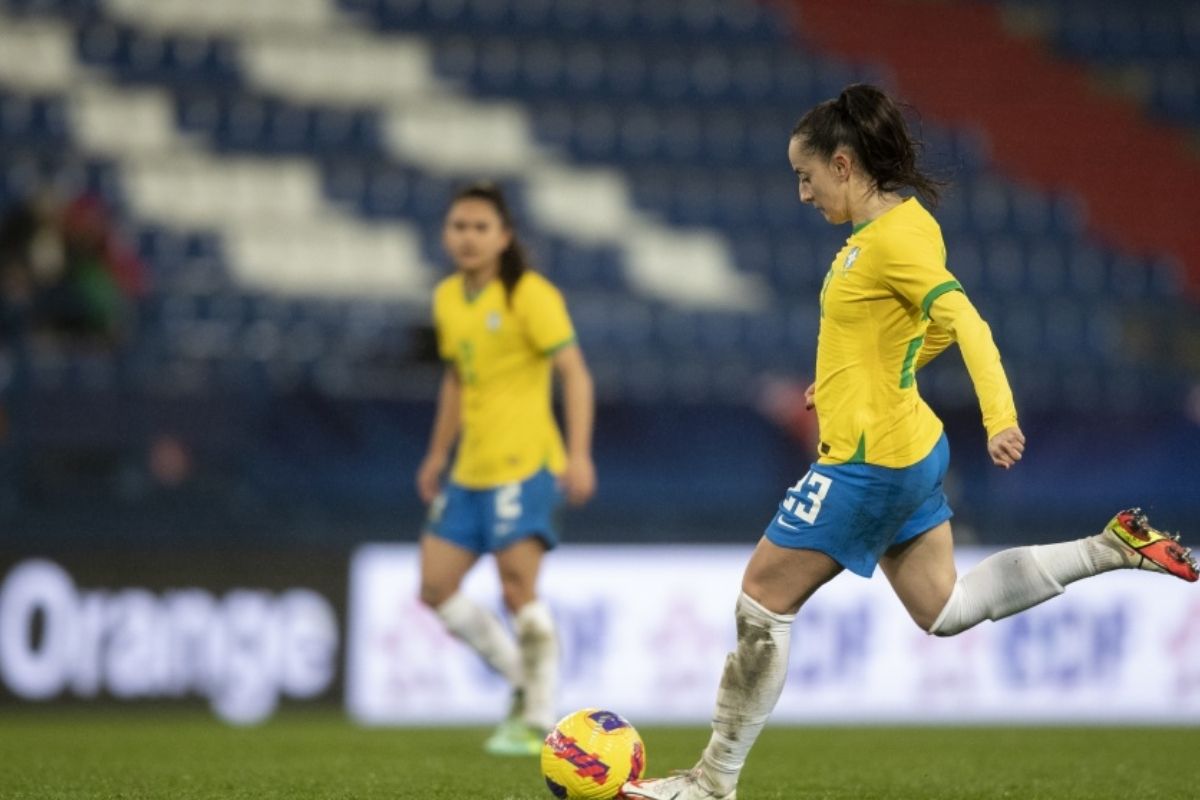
493,321
851,257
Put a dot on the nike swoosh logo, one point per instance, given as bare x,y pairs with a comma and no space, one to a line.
779,519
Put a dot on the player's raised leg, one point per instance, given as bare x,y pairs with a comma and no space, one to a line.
923,575
443,566
777,581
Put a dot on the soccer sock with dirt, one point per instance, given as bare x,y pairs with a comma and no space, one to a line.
484,633
750,687
538,645
1020,578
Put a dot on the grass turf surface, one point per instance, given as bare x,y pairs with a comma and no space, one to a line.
48,754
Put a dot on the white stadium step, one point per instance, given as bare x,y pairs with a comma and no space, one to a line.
319,56
281,233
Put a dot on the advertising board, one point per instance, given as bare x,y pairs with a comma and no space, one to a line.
645,630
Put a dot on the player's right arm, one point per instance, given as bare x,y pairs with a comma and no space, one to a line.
448,418
441,441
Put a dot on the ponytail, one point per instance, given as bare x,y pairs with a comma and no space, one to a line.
867,121
513,261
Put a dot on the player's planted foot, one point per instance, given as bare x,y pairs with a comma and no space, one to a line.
1148,548
515,738
683,786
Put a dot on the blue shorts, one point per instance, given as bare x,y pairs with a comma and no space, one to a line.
854,512
488,520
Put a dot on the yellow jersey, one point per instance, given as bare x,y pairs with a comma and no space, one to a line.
886,287
501,352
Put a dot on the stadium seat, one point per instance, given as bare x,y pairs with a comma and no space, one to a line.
693,134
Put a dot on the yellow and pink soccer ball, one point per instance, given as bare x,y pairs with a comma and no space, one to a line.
590,754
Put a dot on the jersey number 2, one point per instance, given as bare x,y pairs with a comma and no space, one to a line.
508,502
804,499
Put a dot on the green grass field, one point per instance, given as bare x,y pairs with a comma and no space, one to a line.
52,754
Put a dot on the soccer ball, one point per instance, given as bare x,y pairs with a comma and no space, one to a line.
590,754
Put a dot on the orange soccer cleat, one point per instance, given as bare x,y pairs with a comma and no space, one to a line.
1153,549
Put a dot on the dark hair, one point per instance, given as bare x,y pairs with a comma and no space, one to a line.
513,261
867,121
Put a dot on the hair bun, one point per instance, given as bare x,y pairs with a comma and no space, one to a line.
483,187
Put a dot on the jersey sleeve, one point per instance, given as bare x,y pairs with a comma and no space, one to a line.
957,316
913,266
445,349
543,314
937,339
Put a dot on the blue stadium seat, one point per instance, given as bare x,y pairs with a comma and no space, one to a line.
30,120
1047,268
1158,40
690,102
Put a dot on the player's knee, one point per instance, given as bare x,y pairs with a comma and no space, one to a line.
434,595
534,623
925,621
770,597
517,594
927,614
945,630
517,589
948,620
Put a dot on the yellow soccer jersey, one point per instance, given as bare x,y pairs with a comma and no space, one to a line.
875,310
502,356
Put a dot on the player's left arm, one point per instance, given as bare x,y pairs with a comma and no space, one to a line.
548,325
937,339
954,313
912,264
579,409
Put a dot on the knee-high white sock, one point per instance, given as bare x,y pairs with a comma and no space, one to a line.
538,644
750,687
483,632
1020,578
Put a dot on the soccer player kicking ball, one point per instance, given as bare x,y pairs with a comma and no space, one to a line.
501,328
874,496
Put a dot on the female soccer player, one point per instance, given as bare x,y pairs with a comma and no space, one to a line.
500,328
888,307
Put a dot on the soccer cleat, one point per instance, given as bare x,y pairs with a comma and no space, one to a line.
681,786
1157,551
514,738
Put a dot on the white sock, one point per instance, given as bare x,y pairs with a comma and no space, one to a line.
483,632
750,687
1020,578
538,645
1107,553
